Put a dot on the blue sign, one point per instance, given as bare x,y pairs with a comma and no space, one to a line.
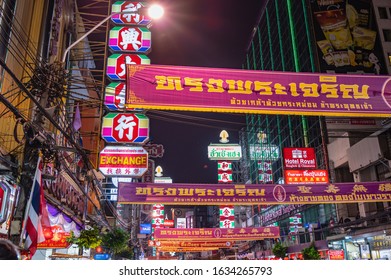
102,257
145,228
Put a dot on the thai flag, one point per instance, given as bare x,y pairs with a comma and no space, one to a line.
36,213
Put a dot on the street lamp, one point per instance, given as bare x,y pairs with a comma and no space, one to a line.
155,11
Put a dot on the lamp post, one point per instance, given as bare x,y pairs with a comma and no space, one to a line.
154,11
86,34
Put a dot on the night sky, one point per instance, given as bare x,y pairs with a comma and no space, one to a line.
202,33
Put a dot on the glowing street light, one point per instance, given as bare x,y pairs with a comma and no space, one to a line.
155,11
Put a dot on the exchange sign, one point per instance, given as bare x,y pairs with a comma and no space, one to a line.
125,128
123,161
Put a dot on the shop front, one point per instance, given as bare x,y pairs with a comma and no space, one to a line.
365,246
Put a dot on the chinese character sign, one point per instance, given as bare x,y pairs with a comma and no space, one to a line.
132,13
227,216
115,96
130,39
116,64
224,169
125,128
265,172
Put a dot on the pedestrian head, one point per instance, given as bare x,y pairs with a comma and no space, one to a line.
8,251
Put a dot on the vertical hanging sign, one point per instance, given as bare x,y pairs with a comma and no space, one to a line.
125,128
225,153
116,64
265,172
227,216
130,39
128,13
224,169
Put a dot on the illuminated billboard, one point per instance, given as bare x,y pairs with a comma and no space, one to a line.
346,37
258,92
123,161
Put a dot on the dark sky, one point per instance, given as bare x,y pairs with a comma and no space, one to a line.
213,33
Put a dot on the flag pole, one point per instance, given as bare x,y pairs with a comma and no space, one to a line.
28,205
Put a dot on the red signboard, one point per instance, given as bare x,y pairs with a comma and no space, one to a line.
55,237
168,223
299,158
336,255
3,202
316,176
1,198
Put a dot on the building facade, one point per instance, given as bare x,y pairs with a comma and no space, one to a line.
292,36
48,95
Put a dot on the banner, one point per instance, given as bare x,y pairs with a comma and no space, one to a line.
256,92
191,244
217,234
221,194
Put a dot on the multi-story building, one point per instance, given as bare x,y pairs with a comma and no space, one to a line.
49,101
290,36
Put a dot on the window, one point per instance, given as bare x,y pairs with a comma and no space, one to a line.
387,35
352,209
6,16
382,13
